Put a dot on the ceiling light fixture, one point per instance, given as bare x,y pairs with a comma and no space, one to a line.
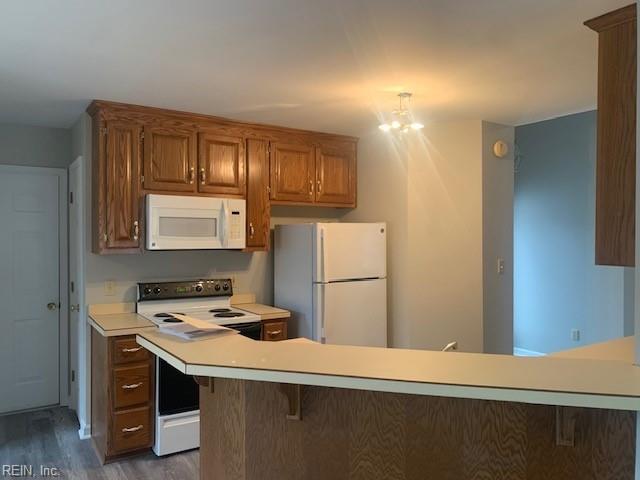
402,120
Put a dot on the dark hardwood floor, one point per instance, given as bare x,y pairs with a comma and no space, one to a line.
50,438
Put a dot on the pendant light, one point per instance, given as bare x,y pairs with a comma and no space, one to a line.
402,120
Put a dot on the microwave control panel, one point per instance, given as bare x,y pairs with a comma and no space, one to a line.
236,225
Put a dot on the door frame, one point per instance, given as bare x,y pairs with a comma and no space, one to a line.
63,270
79,399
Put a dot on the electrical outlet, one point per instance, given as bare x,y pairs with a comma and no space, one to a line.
110,288
575,335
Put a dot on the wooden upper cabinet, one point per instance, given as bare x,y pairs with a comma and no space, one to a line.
258,211
616,151
121,174
292,172
169,159
221,165
336,176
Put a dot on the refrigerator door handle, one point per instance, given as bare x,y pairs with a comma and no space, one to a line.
320,313
323,262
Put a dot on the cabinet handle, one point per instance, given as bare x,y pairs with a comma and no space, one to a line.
131,350
310,187
192,173
202,176
136,230
131,386
319,186
132,429
252,230
274,333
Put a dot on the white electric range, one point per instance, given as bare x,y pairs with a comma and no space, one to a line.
177,403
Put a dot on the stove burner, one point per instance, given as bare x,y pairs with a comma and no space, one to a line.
168,317
220,310
229,314
171,320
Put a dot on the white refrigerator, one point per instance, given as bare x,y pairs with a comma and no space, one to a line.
333,279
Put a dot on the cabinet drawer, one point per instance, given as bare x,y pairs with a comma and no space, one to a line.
131,385
131,430
274,331
126,350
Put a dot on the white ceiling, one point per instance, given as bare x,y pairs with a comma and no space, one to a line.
332,65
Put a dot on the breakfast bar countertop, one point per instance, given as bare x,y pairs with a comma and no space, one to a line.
539,380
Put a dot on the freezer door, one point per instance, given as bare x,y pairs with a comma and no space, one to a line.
345,251
351,313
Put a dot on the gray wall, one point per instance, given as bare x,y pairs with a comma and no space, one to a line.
35,146
558,287
497,240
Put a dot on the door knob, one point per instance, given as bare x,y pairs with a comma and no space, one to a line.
52,306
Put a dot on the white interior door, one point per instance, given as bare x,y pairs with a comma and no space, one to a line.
30,290
352,313
346,251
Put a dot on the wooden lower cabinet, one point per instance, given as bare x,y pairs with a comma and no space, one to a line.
122,396
274,330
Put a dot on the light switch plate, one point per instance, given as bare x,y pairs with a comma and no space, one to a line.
500,266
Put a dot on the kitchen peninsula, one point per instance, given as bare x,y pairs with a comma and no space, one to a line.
304,410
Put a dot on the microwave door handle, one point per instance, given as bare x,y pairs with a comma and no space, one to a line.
224,240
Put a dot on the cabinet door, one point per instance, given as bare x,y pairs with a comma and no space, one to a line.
169,159
616,158
221,163
258,208
292,173
336,176
122,159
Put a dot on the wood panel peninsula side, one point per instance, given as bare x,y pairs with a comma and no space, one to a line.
298,409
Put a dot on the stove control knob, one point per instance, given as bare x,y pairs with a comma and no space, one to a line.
225,286
198,288
217,287
147,291
157,290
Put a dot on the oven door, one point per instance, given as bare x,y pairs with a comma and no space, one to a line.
177,392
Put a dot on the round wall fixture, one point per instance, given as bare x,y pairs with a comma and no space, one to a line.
500,149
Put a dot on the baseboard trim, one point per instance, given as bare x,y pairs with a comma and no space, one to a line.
84,432
523,352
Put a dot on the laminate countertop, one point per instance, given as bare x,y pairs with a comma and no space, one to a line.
581,382
111,320
619,349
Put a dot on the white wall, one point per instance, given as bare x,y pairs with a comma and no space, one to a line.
497,239
429,188
35,146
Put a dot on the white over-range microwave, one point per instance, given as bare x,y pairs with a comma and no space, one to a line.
195,223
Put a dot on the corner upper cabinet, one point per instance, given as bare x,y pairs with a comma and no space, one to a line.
258,210
292,173
616,152
336,176
221,164
169,159
116,165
